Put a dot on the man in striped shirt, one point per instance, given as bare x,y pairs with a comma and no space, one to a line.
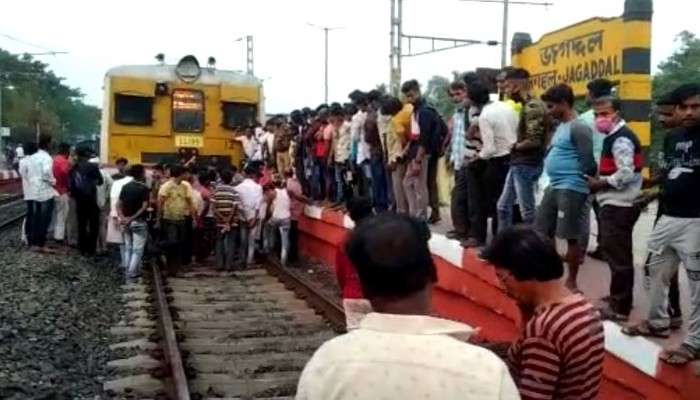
226,206
560,351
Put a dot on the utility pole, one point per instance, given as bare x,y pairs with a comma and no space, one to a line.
249,55
395,46
506,9
325,29
436,44
504,37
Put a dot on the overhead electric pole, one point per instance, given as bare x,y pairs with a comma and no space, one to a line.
437,44
504,37
248,53
325,29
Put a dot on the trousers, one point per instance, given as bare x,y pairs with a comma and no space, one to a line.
615,239
675,240
416,189
135,237
519,185
459,204
88,224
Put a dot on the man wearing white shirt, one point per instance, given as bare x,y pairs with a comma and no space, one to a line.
399,351
26,190
251,195
498,127
40,182
357,138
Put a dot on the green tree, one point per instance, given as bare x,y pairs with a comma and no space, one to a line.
683,66
436,93
40,100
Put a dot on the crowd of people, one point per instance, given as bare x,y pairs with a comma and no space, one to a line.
524,171
181,213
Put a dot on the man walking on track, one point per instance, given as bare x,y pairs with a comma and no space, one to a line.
84,179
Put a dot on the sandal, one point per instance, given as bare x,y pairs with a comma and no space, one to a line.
646,330
607,313
681,355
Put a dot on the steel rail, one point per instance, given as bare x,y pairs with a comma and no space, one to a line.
327,306
171,348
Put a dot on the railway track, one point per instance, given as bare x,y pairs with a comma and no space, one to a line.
12,210
209,334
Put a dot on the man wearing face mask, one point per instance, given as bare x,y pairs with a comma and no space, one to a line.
618,185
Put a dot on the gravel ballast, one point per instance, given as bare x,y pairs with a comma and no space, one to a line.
55,314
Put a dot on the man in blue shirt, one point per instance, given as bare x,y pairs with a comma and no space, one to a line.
568,162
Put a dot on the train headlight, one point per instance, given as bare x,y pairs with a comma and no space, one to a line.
188,69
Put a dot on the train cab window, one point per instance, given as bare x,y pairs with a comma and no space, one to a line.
239,115
188,110
133,110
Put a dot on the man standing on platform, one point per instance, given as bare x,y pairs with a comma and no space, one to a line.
676,235
618,185
526,154
563,212
498,126
424,140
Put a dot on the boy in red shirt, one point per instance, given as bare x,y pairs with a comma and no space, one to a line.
354,302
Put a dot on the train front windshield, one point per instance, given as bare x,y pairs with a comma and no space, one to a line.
188,111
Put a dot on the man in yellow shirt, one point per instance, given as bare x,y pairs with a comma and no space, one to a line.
175,204
395,144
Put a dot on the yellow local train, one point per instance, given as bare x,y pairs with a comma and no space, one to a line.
160,113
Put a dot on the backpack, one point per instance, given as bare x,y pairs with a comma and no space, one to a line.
78,184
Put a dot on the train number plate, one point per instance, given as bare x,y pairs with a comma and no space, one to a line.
189,141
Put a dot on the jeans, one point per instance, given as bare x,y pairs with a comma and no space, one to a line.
519,184
39,219
380,198
433,195
88,224
174,242
135,236
283,225
226,248
397,176
615,240
28,222
459,204
496,172
318,179
416,189
341,186
248,236
674,241
60,217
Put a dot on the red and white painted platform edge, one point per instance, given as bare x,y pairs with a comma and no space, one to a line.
641,353
8,175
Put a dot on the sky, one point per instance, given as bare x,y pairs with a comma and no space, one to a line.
289,54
